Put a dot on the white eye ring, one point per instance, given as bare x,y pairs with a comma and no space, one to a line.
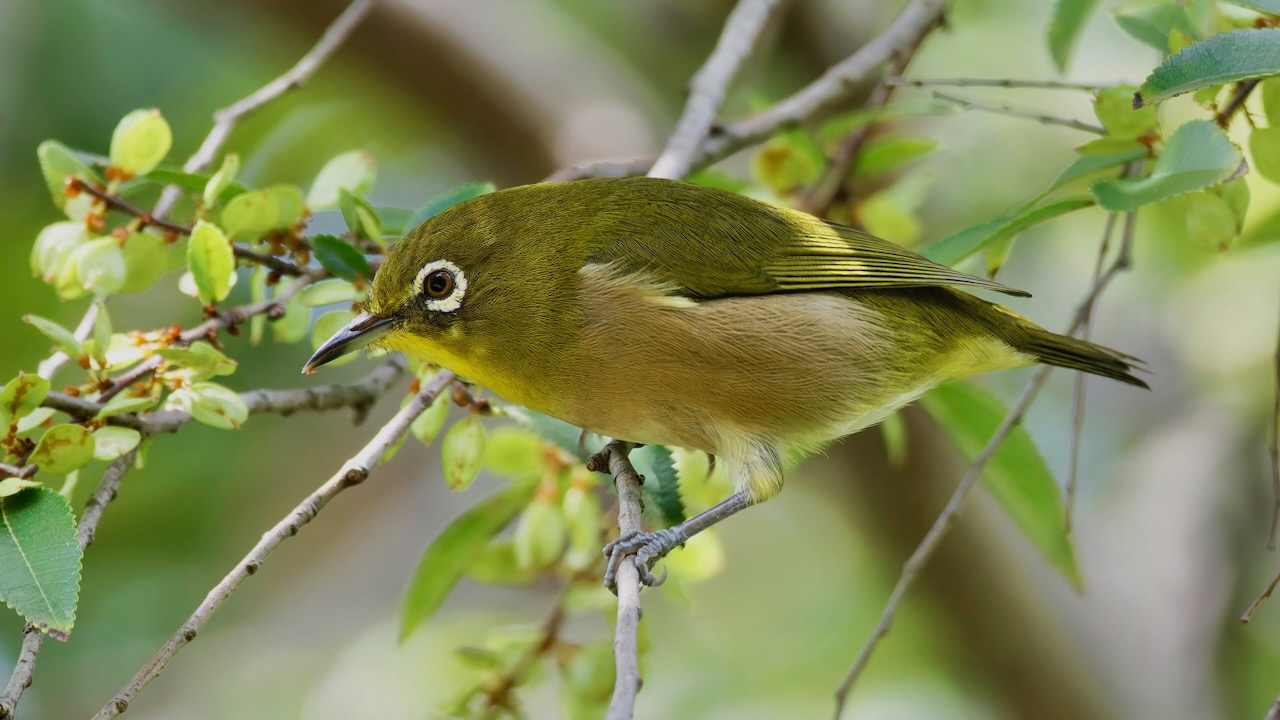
451,302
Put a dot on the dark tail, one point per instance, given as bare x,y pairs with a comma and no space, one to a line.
1068,352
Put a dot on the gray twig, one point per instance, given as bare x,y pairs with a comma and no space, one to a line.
613,458
708,87
993,82
353,472
1015,113
52,364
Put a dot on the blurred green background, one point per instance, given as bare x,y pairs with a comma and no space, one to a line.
1174,500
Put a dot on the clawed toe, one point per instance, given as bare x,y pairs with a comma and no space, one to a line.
642,550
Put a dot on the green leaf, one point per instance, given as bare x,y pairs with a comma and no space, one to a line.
448,199
351,171
1236,194
328,324
221,180
427,426
329,292
894,431
1271,7
1016,476
540,533
101,334
20,397
1113,107
1154,24
496,564
1069,19
1222,58
211,261
12,486
191,182
514,451
294,325
1087,165
662,483
340,258
452,552
121,404
253,213
1270,92
1196,156
211,404
99,266
54,246
140,141
146,257
62,337
890,153
35,419
198,361
462,451
960,245
394,221
788,161
63,448
1264,148
59,162
360,217
1210,219
110,442
40,560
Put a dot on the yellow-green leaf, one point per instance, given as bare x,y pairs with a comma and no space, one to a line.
20,397
351,171
211,261
63,448
140,141
462,451
1016,475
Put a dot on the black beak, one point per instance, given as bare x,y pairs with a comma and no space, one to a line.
362,330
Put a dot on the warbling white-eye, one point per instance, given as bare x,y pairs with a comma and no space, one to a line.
656,311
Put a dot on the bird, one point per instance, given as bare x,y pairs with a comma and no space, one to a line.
657,311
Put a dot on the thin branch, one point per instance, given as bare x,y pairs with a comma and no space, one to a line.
499,695
32,639
834,87
52,364
812,102
226,119
271,307
824,192
993,82
360,395
920,557
1223,118
708,87
1247,615
22,472
353,472
1078,396
145,218
613,459
1015,113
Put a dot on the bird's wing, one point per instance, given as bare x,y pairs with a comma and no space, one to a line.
710,243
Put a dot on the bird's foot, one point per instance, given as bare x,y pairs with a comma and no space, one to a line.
642,550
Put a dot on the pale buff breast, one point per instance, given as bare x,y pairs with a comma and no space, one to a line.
783,370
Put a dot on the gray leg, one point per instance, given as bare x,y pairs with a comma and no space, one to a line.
647,548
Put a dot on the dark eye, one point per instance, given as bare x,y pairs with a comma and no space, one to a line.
438,285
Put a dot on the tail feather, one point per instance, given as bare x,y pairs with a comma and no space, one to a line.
1068,352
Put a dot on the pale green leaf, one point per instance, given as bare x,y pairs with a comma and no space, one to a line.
428,425
452,552
1069,19
20,397
890,153
63,448
99,266
1113,107
1264,149
110,442
146,257
1226,57
40,559
960,245
1154,24
62,337
1271,7
140,141
328,292
448,199
211,404
14,485
462,451
351,171
1196,156
1016,476
121,404
221,180
54,246
211,261
57,163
